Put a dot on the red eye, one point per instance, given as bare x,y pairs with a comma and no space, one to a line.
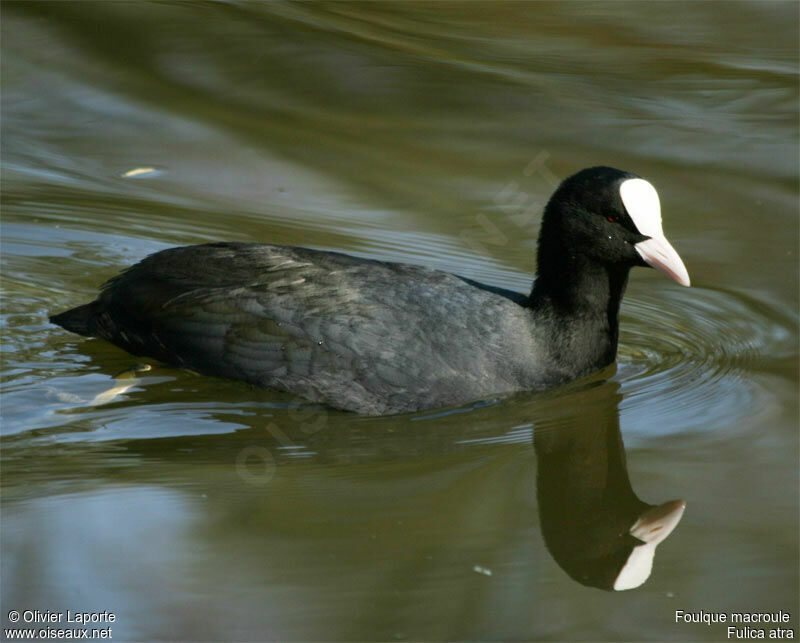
612,219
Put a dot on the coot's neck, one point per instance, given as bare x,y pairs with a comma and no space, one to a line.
582,298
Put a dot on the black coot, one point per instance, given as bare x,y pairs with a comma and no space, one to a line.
378,338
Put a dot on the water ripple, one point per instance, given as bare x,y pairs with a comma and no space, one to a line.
699,362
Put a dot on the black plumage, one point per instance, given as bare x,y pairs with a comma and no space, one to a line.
378,337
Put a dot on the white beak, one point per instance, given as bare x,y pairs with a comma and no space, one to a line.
658,252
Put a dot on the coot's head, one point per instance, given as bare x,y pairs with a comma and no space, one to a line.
608,217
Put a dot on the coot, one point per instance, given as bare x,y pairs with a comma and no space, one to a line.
376,337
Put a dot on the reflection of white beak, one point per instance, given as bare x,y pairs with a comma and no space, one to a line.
658,253
653,526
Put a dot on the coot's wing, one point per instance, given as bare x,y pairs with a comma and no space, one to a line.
327,326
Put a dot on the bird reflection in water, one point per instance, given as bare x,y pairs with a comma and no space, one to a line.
593,524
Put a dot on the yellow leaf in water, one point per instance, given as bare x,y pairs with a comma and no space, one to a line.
139,171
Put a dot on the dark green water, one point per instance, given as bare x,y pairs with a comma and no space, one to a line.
201,509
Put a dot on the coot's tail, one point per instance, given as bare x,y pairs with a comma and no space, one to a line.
79,320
